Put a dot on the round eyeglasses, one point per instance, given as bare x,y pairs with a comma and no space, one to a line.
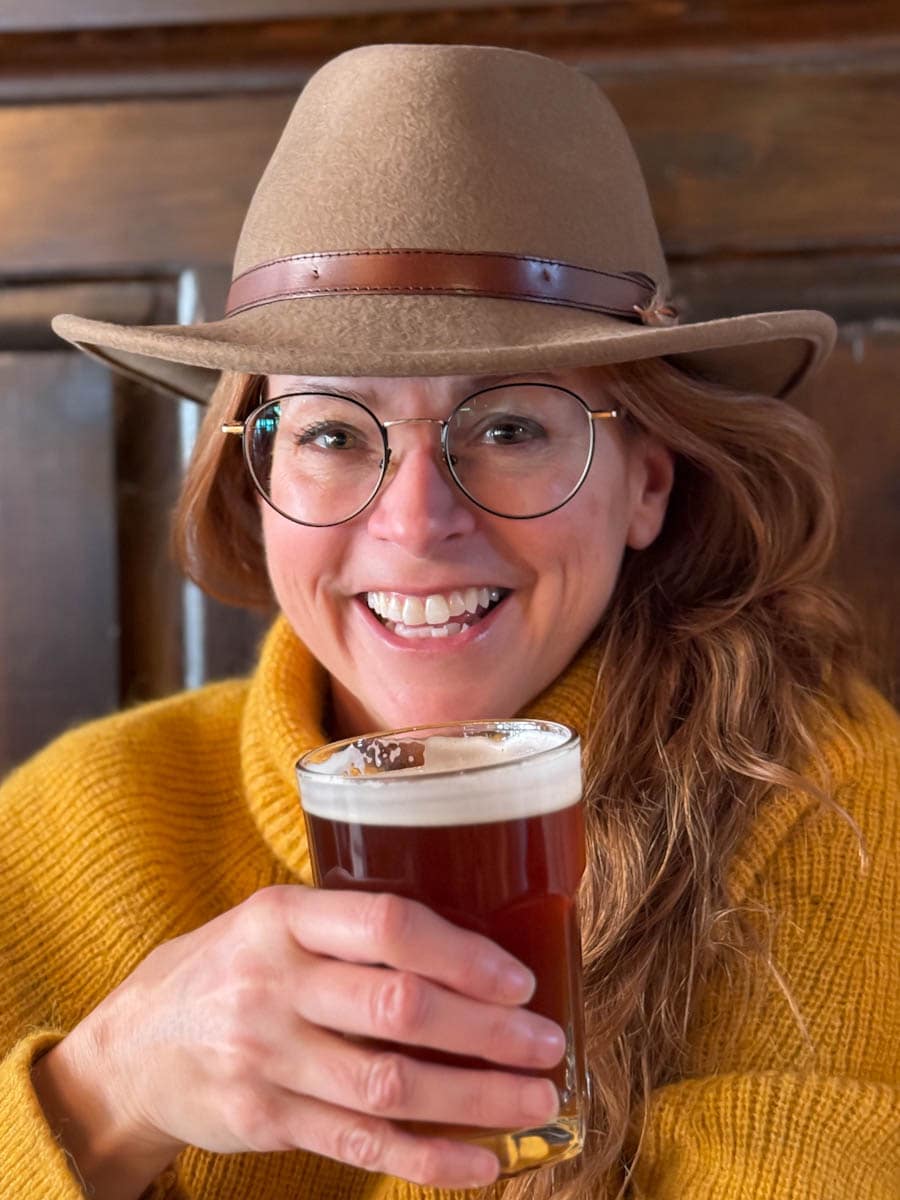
518,450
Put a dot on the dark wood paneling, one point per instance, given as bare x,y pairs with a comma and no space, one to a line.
763,159
148,473
851,287
26,310
855,400
182,170
58,609
131,14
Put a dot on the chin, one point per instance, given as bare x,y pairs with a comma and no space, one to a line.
431,711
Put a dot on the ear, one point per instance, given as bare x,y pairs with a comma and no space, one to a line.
651,473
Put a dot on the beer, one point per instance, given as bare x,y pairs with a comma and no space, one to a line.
482,822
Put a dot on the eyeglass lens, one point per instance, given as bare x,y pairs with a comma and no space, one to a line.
518,451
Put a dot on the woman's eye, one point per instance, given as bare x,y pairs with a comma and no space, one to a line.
511,431
327,437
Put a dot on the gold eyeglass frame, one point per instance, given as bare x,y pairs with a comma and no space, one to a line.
239,428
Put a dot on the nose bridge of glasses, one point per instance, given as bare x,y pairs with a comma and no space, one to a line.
388,425
414,421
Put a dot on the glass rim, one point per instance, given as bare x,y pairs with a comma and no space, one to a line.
404,776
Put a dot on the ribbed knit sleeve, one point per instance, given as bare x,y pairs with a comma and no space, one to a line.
32,1162
772,1136
780,1104
95,843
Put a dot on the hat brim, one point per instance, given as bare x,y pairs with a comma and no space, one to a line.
348,335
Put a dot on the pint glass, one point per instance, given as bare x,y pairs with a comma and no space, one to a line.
482,822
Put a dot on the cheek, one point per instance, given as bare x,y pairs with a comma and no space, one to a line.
590,542
298,561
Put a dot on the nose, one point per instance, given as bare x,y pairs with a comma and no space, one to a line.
419,506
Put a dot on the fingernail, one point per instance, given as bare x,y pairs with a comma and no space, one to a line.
550,1044
539,1100
517,983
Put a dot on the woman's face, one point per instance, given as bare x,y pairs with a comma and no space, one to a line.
427,549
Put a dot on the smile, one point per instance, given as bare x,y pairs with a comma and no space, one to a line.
438,615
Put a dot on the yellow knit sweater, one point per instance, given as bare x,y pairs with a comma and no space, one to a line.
145,825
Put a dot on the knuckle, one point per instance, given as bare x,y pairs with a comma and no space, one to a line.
504,1029
360,1145
399,1005
251,1118
242,1006
265,908
240,1057
385,1084
388,919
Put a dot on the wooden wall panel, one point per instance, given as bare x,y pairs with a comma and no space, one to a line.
182,170
855,401
58,570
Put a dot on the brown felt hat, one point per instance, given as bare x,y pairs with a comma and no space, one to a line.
444,210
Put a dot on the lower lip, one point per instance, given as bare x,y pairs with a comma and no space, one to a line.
433,645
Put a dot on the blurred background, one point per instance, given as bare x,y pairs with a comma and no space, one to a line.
131,136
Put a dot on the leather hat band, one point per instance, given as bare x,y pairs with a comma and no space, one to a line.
631,295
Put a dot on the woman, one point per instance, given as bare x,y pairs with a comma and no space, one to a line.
589,513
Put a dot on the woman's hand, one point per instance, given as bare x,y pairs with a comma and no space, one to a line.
228,1038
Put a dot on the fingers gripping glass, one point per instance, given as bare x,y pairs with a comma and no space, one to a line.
515,450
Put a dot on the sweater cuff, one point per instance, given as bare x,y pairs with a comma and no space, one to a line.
32,1162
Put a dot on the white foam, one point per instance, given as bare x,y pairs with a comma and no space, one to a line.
531,770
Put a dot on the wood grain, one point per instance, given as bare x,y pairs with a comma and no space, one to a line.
855,401
58,586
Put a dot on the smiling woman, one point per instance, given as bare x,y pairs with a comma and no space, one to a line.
421,549
456,433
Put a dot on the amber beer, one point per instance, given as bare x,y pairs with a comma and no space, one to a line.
481,821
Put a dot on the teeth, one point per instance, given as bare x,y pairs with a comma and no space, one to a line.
432,612
426,631
437,610
413,611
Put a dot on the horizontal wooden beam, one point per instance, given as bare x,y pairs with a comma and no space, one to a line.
26,310
139,14
213,51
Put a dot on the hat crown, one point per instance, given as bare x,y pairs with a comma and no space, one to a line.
459,148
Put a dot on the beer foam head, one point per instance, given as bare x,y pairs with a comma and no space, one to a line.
491,771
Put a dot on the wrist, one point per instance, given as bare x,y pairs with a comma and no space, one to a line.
112,1157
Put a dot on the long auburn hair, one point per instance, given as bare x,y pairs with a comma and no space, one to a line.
724,657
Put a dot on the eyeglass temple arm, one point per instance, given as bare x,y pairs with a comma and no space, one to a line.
609,415
233,427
